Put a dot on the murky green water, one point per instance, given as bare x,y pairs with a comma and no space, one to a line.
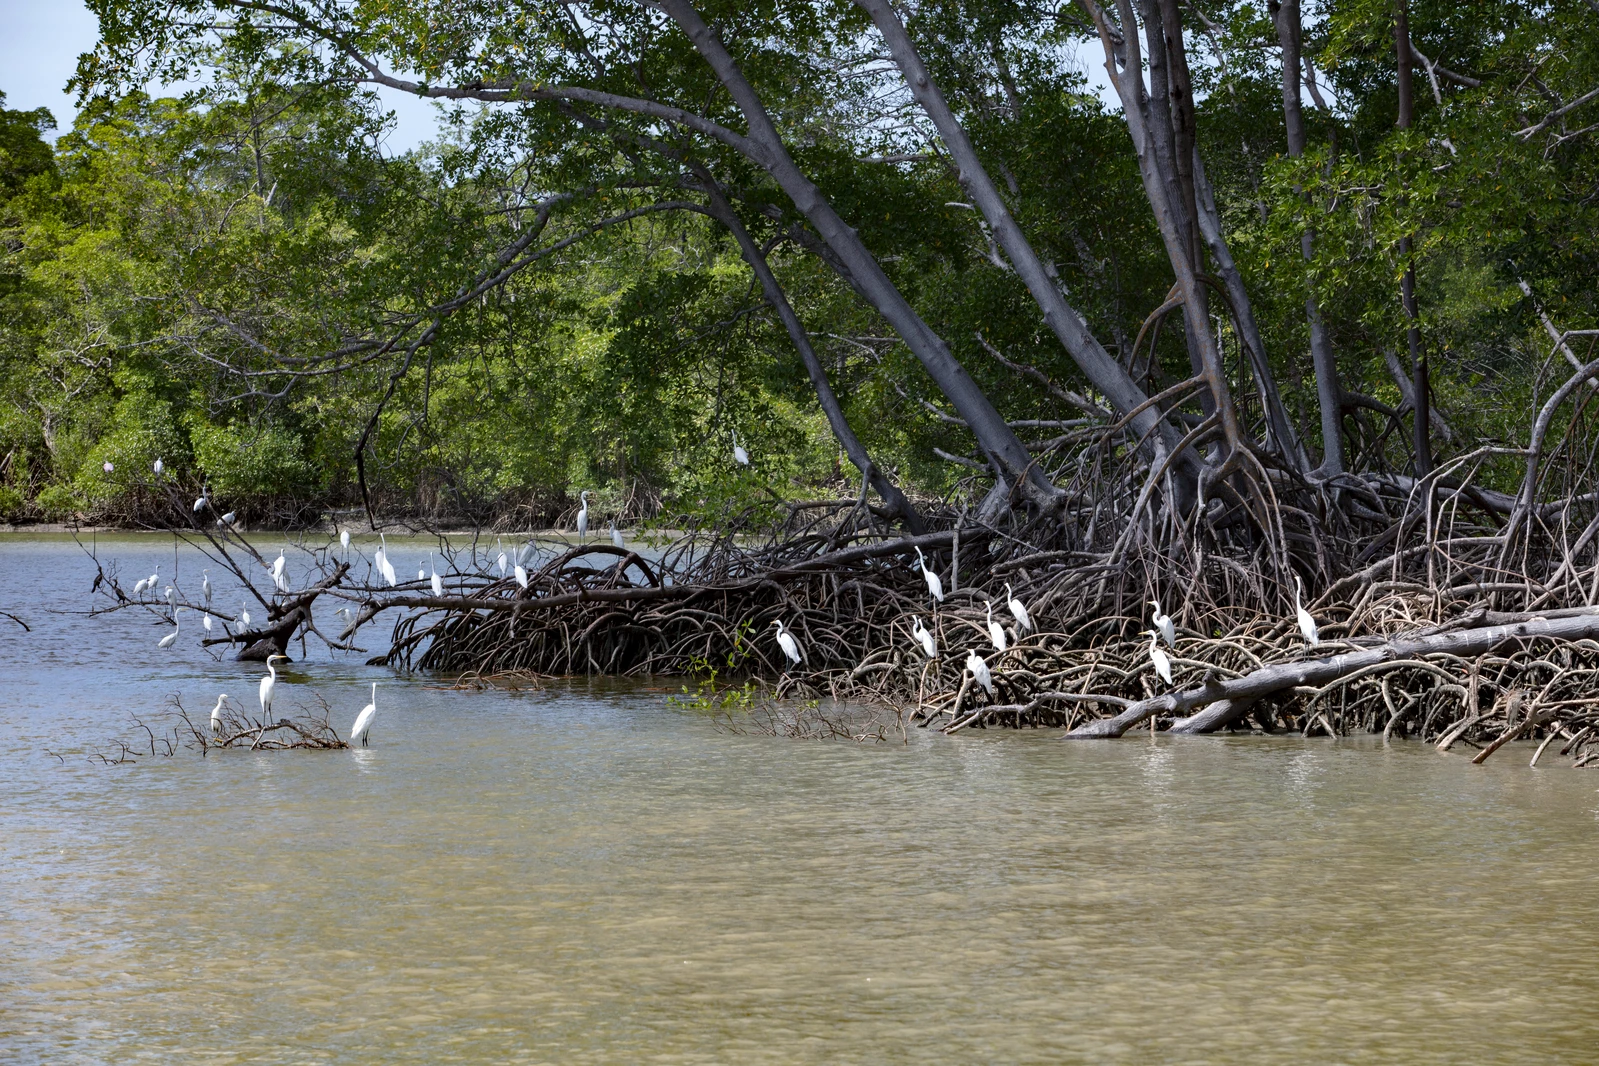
585,874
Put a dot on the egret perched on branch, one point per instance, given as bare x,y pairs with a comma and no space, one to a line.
1164,626
363,721
227,520
168,640
157,467
935,585
583,515
199,505
216,713
139,585
438,585
1018,611
344,539
996,632
521,575
107,467
381,557
740,456
616,537
421,573
524,551
169,595
205,584
205,620
244,614
277,572
1158,657
786,641
924,638
979,669
149,583
1307,624
501,560
268,684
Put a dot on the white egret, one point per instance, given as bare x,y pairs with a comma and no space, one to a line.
227,519
344,539
363,721
138,586
171,638
924,638
996,632
740,456
935,585
1307,624
1018,611
244,615
1163,625
421,574
381,557
158,466
216,713
205,620
500,562
616,537
521,575
277,572
524,551
153,580
979,669
268,684
583,515
1158,657
107,467
438,584
786,641
169,595
205,584
199,505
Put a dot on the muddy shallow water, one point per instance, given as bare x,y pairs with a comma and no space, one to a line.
586,874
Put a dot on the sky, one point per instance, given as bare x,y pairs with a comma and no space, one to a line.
40,41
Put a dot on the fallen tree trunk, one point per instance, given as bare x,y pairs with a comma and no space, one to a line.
284,621
1270,680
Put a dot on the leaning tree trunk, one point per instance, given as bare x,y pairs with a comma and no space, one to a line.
1105,373
994,436
723,212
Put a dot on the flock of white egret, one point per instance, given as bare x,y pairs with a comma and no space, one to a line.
923,638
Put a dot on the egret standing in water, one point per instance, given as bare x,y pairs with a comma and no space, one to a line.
216,713
996,632
363,721
786,641
583,515
1164,626
1018,611
438,583
924,638
268,685
168,640
979,669
935,585
1307,624
1158,657
740,456
616,537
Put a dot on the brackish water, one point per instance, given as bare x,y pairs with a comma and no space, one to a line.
585,874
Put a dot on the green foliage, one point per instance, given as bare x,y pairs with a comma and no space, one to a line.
707,695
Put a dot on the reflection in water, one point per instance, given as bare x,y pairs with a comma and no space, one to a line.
585,875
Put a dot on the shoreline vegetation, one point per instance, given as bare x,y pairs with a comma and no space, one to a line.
1260,392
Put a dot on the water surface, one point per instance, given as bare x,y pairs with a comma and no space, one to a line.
584,874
